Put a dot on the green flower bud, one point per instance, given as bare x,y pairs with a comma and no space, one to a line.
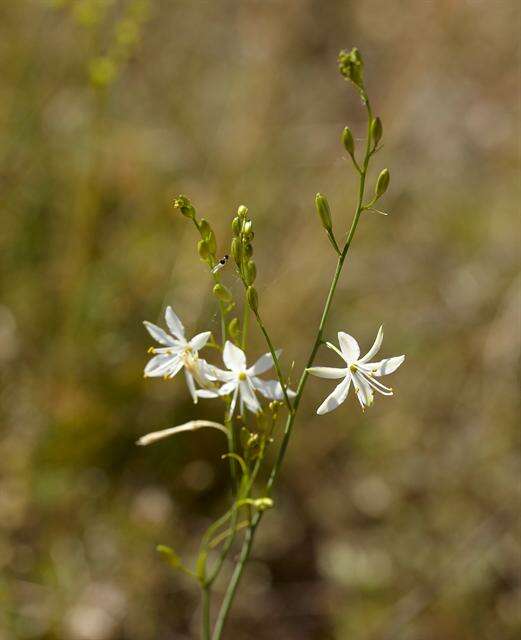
205,229
324,212
248,250
351,67
203,250
185,206
246,227
376,131
236,226
242,211
250,272
253,298
237,251
382,183
212,243
263,503
348,141
222,293
234,328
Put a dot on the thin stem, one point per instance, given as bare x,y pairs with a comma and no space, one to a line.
245,322
206,628
248,540
275,362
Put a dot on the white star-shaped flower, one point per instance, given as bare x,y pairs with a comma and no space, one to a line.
242,382
177,352
358,370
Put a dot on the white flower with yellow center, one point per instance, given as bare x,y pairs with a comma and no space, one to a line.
359,371
241,381
177,352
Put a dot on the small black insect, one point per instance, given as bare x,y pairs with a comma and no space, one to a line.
222,262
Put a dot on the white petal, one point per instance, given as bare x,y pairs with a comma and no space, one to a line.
248,396
191,386
214,373
233,357
234,401
160,365
227,388
207,393
327,372
174,324
264,363
376,384
384,367
376,345
336,398
158,334
271,389
189,426
364,393
348,346
198,341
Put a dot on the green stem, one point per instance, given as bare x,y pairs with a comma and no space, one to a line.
248,540
245,322
206,628
275,362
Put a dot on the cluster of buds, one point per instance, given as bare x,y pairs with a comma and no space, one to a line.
351,67
242,252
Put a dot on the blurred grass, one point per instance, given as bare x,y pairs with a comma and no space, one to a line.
400,523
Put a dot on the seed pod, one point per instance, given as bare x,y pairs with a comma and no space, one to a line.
203,250
250,272
242,211
248,250
324,211
253,298
348,141
205,229
222,293
382,183
376,131
237,251
236,226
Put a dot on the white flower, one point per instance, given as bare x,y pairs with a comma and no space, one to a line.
177,352
358,370
242,381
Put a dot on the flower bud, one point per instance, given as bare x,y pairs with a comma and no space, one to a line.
382,183
253,298
212,243
324,212
246,227
242,211
234,329
263,503
236,226
222,293
348,141
237,251
204,228
203,250
376,131
248,250
185,206
351,67
250,272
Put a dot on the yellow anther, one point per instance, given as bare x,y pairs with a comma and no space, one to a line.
242,375
353,367
151,350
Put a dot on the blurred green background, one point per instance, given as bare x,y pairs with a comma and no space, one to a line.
397,524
